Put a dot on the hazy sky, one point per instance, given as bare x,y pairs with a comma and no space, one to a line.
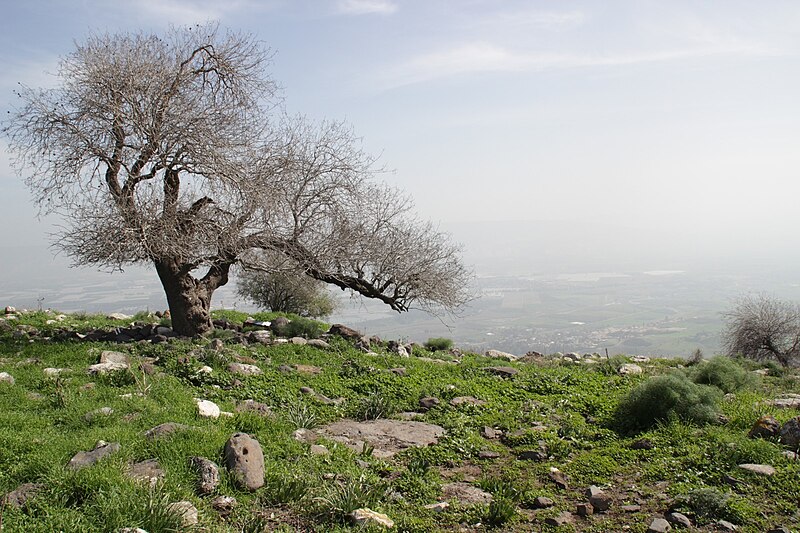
680,118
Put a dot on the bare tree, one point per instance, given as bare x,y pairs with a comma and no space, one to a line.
762,328
172,151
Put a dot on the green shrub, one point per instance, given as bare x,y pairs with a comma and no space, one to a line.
373,407
722,372
709,504
501,511
302,327
343,497
436,344
662,397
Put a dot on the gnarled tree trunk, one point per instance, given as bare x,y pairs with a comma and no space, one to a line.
189,298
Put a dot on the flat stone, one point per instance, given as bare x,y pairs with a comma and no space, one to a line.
5,377
21,495
118,316
458,401
148,472
308,369
109,356
244,369
252,406
367,517
785,402
304,435
100,451
465,493
630,508
165,429
764,470
208,473
53,372
659,525
386,436
630,368
299,341
724,525
502,371
186,511
245,460
207,409
319,343
679,519
428,402
488,432
543,502
319,449
497,354
564,518
105,368
488,454
436,507
103,412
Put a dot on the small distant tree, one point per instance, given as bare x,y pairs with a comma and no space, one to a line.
762,328
287,292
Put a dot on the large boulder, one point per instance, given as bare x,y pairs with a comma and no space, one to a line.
245,460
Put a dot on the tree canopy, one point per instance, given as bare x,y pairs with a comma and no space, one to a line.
173,150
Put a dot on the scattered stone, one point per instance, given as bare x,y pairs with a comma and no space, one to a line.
488,454
106,368
244,370
118,316
584,509
98,413
299,341
101,449
53,372
489,433
564,518
108,356
367,517
630,368
601,502
319,449
20,496
458,401
149,472
259,337
640,359
223,505
765,427
165,429
642,444
245,460
792,456
209,475
252,406
343,331
398,348
428,402
386,436
437,507
786,401
308,369
5,377
631,508
207,408
319,343
88,386
543,502
779,530
790,433
724,525
465,493
205,370
558,477
659,525
764,470
9,310
186,511
497,354
399,371
502,371
678,519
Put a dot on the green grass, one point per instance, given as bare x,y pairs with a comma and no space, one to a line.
570,410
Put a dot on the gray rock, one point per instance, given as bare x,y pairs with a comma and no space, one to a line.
5,377
148,472
437,507
488,432
584,509
558,477
765,427
543,502
678,519
119,316
165,429
208,473
319,343
108,356
245,460
502,371
465,493
106,368
564,518
244,370
252,406
367,517
319,449
21,495
428,402
308,369
601,502
224,505
299,341
186,511
305,435
207,409
458,401
659,525
386,436
724,525
259,337
343,331
279,323
53,372
101,450
488,454
764,470
630,368
497,354
790,433
630,508
103,412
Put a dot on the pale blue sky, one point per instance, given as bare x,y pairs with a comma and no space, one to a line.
679,118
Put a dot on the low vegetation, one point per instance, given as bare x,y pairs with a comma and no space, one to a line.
666,439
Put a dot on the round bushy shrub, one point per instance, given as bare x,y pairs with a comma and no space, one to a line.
436,344
662,397
722,372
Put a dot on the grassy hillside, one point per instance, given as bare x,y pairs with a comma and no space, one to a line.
556,428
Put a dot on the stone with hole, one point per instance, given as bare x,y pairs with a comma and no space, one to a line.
245,461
